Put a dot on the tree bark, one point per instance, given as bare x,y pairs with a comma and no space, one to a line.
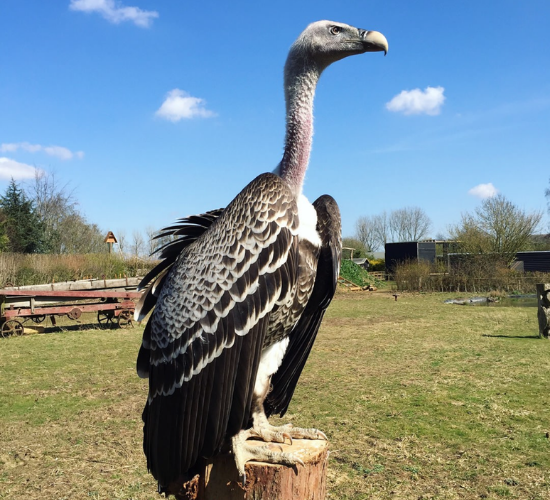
219,480
543,313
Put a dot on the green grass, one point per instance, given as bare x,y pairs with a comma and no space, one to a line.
419,399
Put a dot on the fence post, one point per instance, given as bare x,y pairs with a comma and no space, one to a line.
543,313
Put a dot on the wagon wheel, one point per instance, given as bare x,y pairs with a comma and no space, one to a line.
105,318
74,313
12,327
124,318
39,318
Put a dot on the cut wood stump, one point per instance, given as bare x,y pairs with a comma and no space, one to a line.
219,479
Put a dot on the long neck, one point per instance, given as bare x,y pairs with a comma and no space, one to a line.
301,78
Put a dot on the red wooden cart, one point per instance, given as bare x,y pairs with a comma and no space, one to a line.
19,305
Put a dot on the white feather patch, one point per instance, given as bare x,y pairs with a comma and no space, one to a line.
308,221
271,359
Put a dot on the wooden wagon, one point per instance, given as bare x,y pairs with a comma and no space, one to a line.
112,304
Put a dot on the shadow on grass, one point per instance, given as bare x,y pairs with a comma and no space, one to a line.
79,327
511,336
75,327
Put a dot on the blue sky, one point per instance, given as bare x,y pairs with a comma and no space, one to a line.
155,110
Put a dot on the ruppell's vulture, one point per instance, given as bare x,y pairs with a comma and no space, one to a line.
240,293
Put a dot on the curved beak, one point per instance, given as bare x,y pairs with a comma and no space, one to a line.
373,41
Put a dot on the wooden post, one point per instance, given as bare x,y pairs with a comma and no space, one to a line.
543,313
219,479
110,239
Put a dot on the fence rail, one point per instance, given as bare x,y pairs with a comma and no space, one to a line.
378,275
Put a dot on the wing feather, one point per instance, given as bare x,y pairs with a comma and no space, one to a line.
202,343
188,229
303,335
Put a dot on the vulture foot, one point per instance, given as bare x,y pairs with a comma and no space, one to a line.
244,452
270,433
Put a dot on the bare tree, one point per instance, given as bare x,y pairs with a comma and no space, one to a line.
50,199
66,229
53,204
138,244
496,227
405,224
153,244
381,229
365,232
79,236
121,239
409,224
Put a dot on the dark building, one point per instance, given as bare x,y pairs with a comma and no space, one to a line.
533,261
398,253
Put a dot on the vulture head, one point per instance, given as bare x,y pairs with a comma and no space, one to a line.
325,42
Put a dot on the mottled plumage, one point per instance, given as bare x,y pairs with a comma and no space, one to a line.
240,294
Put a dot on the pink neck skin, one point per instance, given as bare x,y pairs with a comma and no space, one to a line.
300,92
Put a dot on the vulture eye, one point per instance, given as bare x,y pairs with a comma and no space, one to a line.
335,30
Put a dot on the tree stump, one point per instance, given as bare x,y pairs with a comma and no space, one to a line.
219,479
543,313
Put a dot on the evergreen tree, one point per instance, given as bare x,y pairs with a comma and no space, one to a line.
23,227
4,240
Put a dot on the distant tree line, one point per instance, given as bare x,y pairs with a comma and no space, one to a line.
497,228
404,224
45,219
136,245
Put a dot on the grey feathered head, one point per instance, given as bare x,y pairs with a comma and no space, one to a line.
325,42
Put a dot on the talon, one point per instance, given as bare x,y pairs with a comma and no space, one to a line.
323,435
272,446
286,435
244,452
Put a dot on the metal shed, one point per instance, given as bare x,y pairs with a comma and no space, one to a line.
397,253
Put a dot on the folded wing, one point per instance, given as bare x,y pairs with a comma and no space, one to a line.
202,344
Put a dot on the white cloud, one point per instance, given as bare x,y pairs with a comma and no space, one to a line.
484,191
115,12
417,102
179,104
57,151
13,169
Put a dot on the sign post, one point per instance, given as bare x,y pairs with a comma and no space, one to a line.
110,239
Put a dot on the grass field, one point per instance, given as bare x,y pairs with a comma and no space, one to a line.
420,400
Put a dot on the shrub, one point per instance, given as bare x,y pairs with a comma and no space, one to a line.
356,274
471,274
377,265
35,269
